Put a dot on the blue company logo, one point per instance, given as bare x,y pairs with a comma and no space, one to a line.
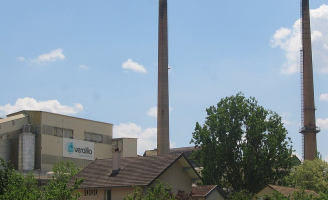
70,147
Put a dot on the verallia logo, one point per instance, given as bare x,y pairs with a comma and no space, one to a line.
71,149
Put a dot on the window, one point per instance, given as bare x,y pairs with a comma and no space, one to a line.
109,195
68,133
90,192
60,132
93,137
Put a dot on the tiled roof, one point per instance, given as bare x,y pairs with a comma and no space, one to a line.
286,191
203,190
136,171
185,150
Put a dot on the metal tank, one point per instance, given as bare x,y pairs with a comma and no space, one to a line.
26,151
5,149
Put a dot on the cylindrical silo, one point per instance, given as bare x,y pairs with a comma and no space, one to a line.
26,151
5,149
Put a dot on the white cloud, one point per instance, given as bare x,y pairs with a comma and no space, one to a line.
325,46
32,104
21,58
129,64
288,39
146,137
323,97
322,123
53,56
152,112
84,67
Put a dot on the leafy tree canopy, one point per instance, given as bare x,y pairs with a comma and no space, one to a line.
160,192
14,185
243,145
311,175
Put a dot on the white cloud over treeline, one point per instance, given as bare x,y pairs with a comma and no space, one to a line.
288,39
53,106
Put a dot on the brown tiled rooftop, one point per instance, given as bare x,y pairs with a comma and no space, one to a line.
202,191
136,171
286,191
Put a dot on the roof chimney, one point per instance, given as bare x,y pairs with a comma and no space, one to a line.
116,165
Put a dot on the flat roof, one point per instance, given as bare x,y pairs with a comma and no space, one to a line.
23,111
14,117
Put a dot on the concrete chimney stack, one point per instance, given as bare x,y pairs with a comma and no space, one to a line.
163,138
309,128
116,165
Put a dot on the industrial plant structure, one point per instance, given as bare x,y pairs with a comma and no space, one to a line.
35,140
309,128
163,138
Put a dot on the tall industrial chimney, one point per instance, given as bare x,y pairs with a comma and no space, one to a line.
309,128
163,139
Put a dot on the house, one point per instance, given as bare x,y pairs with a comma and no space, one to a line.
208,192
286,191
112,179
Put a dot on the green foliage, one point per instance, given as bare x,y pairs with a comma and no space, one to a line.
276,196
241,195
14,185
243,145
160,192
297,195
311,175
57,187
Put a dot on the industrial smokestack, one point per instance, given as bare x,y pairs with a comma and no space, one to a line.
309,128
163,138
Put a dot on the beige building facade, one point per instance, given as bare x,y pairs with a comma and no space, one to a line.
56,138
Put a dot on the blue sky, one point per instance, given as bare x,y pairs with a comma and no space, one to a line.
98,60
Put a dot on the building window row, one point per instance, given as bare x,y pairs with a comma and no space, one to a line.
90,192
60,132
94,137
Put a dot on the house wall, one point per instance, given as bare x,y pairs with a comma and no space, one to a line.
183,182
215,195
265,191
117,194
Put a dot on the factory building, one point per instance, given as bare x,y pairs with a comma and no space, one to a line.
35,140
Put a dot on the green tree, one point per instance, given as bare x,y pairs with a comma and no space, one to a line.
14,185
57,188
241,195
311,175
160,192
243,145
